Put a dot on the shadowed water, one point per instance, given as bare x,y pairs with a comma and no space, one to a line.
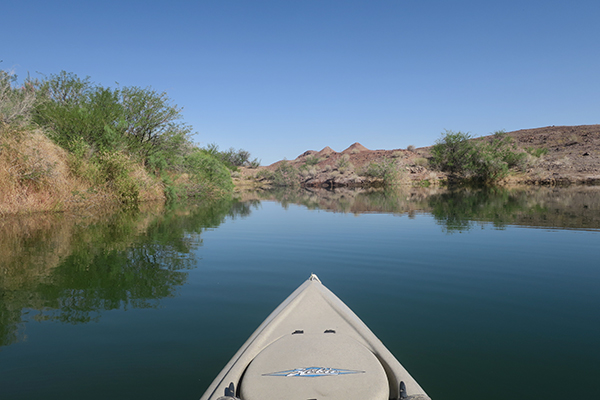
479,293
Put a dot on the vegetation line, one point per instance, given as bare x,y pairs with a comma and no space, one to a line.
66,142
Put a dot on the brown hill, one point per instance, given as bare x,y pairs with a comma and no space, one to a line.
557,155
327,151
355,148
568,154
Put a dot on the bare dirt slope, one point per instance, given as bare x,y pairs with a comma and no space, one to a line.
573,154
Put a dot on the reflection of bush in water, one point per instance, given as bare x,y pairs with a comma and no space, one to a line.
71,270
351,200
571,207
458,210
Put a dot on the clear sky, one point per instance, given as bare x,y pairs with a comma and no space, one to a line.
280,77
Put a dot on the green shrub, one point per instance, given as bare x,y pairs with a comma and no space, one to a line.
503,148
207,171
284,175
140,121
171,190
311,160
82,163
453,153
232,158
384,169
486,161
537,152
115,168
343,163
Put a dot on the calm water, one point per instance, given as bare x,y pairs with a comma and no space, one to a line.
479,294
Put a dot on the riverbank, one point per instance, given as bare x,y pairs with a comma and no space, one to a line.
37,175
67,143
555,155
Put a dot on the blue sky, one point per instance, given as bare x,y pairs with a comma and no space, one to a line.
277,78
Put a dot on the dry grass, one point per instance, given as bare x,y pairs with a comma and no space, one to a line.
36,176
150,187
33,173
421,162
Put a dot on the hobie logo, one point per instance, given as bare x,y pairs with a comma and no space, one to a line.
313,372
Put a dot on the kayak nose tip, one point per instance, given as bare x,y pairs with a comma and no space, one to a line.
314,277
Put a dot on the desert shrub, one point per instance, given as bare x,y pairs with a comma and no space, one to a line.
502,147
410,148
207,172
537,152
235,158
16,103
285,175
232,158
309,172
311,160
384,169
421,162
485,161
264,174
254,163
116,168
453,153
343,163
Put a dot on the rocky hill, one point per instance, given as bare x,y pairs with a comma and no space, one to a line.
555,155
568,154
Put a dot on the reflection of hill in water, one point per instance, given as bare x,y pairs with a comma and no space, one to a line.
71,268
569,208
356,201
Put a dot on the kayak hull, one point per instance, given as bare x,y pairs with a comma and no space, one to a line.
312,346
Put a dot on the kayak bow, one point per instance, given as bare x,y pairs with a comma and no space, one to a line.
313,347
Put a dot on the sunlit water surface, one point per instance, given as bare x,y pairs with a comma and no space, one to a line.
479,294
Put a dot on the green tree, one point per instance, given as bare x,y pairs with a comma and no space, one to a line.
152,123
232,158
73,109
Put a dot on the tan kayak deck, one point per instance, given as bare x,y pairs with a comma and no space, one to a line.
313,347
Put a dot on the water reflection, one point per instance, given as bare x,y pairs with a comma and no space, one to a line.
70,268
463,208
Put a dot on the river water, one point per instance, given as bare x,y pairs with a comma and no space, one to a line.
480,294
